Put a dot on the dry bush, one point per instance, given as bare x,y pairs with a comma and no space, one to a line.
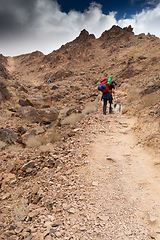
133,94
20,210
46,148
13,148
2,145
149,100
89,108
50,136
17,106
33,142
54,137
73,118
2,119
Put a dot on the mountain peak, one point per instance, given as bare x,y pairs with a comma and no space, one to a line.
84,35
117,31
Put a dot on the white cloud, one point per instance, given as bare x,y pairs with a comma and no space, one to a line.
41,25
145,22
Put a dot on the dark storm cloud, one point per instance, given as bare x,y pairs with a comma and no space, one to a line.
30,25
15,15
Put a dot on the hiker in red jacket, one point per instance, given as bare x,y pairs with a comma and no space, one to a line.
107,96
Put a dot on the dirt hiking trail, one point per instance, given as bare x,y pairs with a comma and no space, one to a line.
121,181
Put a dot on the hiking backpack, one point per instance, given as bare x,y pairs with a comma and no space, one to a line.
105,83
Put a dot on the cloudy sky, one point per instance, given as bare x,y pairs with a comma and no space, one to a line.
45,25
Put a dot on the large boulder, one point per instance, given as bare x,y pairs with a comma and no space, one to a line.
28,112
32,101
46,115
8,136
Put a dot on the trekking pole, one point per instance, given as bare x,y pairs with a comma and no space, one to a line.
114,97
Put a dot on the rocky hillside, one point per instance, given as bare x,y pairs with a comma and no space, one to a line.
40,122
76,69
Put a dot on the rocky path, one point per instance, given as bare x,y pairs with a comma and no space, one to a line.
120,197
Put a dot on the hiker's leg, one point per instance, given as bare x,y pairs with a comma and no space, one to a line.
110,104
104,106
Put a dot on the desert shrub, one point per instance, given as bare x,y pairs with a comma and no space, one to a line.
33,142
148,100
54,137
50,136
73,118
89,108
20,210
2,145
133,95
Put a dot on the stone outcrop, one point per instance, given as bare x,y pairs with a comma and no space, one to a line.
46,115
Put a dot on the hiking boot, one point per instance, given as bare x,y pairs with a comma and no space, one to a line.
110,110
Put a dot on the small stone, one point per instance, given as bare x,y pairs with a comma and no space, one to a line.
46,233
47,224
30,164
103,218
6,196
58,234
28,238
68,172
82,228
95,184
72,210
9,178
18,229
56,223
152,218
12,227
33,213
65,206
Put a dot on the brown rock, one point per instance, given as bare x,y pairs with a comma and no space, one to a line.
35,102
30,164
42,115
47,115
8,136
